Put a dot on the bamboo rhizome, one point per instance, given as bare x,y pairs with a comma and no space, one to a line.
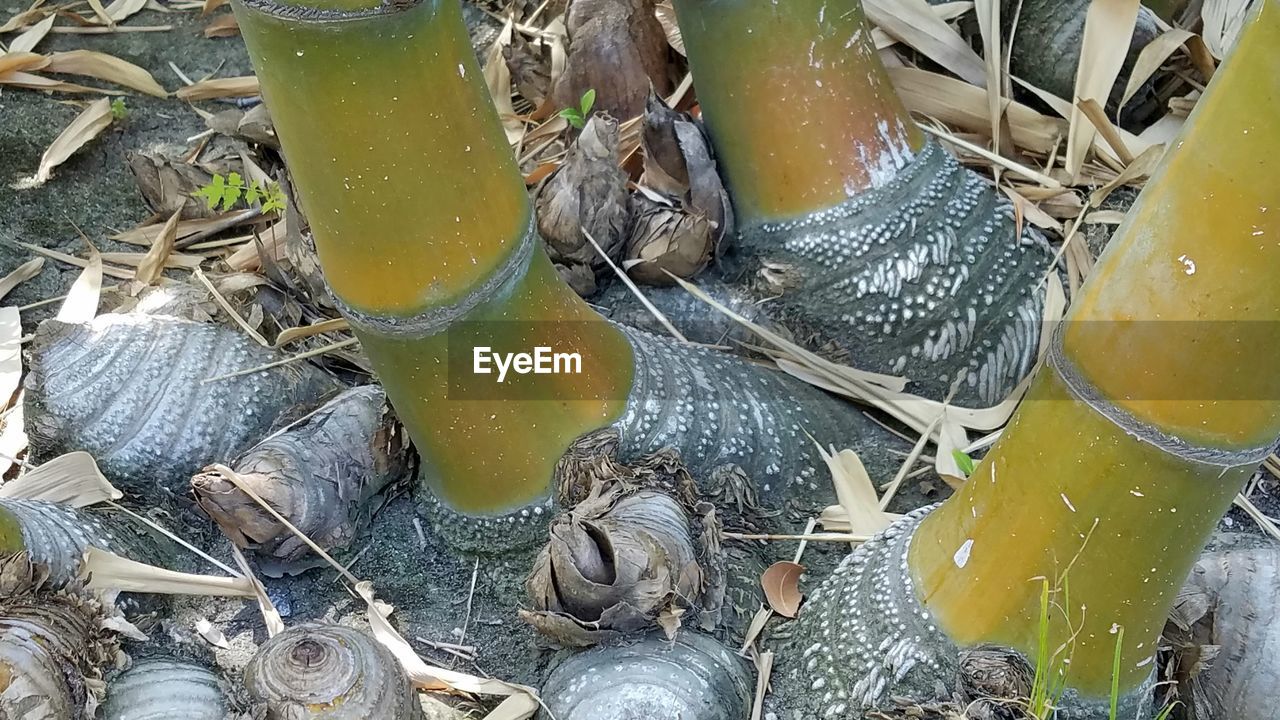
404,172
1155,407
797,102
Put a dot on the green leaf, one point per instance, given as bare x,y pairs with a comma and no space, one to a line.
274,198
588,101
213,192
574,116
234,189
964,461
254,193
118,109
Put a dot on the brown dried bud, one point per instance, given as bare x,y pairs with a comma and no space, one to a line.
619,562
667,239
166,183
617,48
588,193
321,473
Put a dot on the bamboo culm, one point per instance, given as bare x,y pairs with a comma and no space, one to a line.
859,230
426,228
1129,446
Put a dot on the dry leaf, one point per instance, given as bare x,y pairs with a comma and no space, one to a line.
152,266
108,571
781,582
497,77
966,108
81,304
1223,20
37,82
20,274
1108,28
123,9
13,436
244,86
16,61
270,615
211,634
105,67
84,128
27,41
10,353
1154,55
856,493
666,14
223,26
72,479
913,22
101,12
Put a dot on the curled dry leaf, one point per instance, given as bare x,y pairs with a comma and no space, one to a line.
105,67
781,583
53,646
620,562
666,239
222,26
617,48
167,182
529,68
87,125
322,474
677,237
587,195
234,87
151,268
253,125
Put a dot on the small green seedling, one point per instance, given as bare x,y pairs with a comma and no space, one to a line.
227,191
963,461
118,109
577,116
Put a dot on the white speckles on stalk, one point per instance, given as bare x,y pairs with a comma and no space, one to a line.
924,275
961,558
719,410
862,636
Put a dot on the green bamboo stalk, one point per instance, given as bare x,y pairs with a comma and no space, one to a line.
423,229
857,228
1154,408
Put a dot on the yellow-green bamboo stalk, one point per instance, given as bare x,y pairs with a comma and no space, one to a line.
405,176
424,232
857,229
801,111
1155,405
1154,408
